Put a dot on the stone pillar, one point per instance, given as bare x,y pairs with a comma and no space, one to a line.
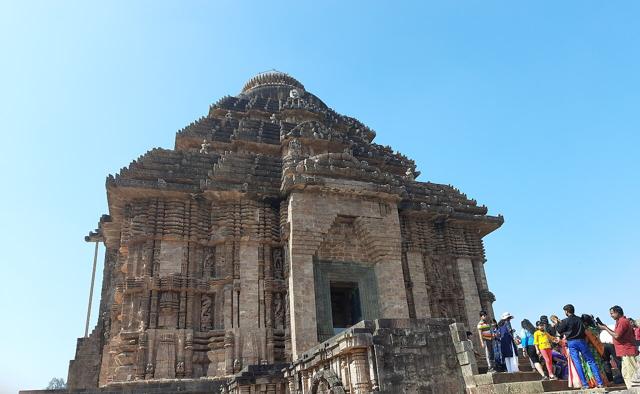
305,382
248,304
302,305
150,367
359,371
419,281
188,355
291,381
228,353
470,289
180,354
371,354
141,356
144,308
182,311
486,297
227,314
189,313
248,285
269,326
153,315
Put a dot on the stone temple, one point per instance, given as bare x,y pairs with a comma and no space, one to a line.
274,225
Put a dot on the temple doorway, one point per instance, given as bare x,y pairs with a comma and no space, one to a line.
345,305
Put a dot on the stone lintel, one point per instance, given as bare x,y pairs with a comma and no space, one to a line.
348,187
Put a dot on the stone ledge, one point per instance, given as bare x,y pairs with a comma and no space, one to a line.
164,386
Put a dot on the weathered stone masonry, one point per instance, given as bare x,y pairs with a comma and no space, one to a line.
221,252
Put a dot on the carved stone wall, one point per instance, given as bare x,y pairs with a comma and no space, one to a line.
311,217
386,356
192,291
445,269
343,243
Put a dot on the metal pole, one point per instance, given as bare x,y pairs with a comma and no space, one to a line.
93,278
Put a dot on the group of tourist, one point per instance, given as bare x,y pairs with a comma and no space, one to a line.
579,349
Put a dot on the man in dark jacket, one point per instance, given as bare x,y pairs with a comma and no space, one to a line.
573,331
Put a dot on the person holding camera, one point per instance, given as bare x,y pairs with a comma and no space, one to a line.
574,332
486,340
625,343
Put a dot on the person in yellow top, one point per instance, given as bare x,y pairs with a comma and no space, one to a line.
542,341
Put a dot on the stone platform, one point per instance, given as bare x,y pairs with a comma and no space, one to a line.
385,356
165,386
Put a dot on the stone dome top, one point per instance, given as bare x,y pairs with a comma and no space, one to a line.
272,78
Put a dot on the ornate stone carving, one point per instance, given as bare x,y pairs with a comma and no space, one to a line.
278,263
295,148
204,147
278,310
168,317
206,313
210,262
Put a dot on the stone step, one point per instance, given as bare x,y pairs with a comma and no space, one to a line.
482,368
503,377
579,391
505,383
555,385
534,386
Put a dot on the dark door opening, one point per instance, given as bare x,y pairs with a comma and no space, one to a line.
345,305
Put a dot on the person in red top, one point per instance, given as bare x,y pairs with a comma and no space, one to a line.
624,340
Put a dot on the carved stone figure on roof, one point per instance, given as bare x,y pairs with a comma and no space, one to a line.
295,148
204,147
294,93
409,175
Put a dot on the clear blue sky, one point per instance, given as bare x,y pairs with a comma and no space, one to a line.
530,108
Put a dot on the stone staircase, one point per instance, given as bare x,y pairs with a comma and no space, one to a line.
478,381
518,382
525,381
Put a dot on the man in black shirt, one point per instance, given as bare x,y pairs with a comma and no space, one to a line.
573,331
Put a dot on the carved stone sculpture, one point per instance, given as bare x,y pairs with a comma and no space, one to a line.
278,310
278,263
204,148
205,313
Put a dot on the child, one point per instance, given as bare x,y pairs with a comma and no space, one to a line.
529,349
542,341
560,364
470,339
